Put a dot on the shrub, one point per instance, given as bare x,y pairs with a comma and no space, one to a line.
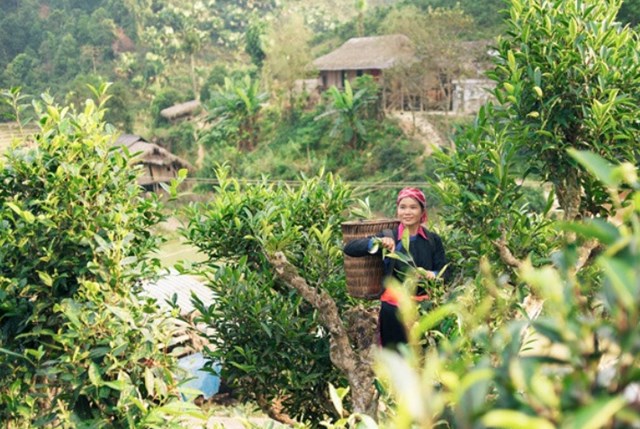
162,100
270,342
575,365
77,346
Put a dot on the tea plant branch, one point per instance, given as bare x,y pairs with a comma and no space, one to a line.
357,369
274,408
505,253
585,253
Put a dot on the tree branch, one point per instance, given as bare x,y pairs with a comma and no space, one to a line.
327,309
505,253
585,252
357,367
274,410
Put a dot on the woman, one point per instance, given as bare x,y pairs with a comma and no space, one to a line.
425,248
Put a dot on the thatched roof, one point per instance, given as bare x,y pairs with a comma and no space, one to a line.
366,53
150,153
181,109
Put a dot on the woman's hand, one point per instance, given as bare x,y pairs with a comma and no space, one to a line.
429,275
388,243
425,274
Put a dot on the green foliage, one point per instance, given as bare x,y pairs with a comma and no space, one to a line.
163,99
482,203
214,79
348,110
16,105
487,15
574,365
268,339
254,41
288,55
629,12
78,347
305,146
118,107
180,140
556,98
549,99
562,368
235,109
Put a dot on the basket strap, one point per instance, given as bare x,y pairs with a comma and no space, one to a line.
390,233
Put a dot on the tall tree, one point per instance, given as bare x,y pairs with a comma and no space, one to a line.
361,8
569,77
438,37
254,41
488,14
287,55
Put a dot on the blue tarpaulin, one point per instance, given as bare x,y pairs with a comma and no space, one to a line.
199,379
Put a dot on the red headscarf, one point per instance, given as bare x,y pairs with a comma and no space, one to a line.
417,195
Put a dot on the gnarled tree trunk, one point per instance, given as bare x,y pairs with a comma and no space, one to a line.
351,350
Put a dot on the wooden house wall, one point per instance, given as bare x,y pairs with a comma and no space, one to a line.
154,173
329,78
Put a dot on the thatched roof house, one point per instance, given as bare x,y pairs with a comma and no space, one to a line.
374,55
363,55
180,110
160,165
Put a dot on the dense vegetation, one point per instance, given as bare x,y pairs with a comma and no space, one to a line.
500,370
162,52
79,348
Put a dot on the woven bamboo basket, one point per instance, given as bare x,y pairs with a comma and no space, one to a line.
364,274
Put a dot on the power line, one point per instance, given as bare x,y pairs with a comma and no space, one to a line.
355,184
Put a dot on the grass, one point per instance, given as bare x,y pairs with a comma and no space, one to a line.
176,250
10,132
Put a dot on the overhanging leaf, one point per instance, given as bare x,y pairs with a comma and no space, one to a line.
336,400
510,419
596,165
622,279
599,229
596,415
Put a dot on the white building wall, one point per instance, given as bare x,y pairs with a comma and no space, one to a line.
471,94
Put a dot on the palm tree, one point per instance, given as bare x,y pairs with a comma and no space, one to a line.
348,110
238,104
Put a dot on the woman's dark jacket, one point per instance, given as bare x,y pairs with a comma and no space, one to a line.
426,253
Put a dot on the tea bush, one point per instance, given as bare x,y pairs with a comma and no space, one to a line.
271,345
78,347
574,366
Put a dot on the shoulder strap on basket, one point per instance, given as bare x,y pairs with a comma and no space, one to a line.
392,234
430,240
389,233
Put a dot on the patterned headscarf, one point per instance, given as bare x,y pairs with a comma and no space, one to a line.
417,195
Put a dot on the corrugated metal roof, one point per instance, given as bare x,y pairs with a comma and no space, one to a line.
367,53
151,153
181,109
182,286
128,140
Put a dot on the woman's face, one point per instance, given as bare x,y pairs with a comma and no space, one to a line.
409,212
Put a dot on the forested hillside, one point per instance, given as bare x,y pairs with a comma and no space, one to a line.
144,45
161,52
59,45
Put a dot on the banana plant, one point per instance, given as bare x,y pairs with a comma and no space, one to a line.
236,106
348,110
